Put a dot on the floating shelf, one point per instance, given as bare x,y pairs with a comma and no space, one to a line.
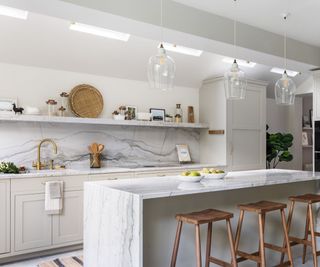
100,121
308,146
307,128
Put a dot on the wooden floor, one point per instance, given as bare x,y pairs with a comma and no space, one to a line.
35,262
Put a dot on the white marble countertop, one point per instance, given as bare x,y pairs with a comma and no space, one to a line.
157,187
101,171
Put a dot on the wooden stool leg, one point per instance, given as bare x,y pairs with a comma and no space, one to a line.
313,237
176,245
232,248
263,224
198,246
261,236
285,231
306,237
290,215
238,232
209,237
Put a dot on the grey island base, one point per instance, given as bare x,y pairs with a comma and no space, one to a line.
130,223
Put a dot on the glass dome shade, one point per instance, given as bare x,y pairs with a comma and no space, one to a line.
161,70
285,90
235,83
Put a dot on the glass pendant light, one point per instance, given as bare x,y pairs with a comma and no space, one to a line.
285,88
235,82
161,67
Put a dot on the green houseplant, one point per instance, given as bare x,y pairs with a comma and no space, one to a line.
278,145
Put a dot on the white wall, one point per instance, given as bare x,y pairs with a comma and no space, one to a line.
33,86
287,120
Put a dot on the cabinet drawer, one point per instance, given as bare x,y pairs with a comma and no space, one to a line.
37,185
111,176
156,174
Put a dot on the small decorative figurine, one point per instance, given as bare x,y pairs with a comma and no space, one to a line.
17,110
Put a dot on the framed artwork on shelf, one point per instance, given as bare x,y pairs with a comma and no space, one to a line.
183,153
157,114
6,106
305,140
132,112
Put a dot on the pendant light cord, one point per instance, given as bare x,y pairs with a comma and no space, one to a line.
285,41
235,30
161,20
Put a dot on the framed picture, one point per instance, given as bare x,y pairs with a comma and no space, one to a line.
132,112
183,153
157,114
305,140
6,106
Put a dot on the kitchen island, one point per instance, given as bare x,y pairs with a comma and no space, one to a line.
130,223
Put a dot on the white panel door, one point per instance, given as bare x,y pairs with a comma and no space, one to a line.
246,131
32,226
5,216
68,226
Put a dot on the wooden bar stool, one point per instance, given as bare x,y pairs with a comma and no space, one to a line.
261,208
307,199
204,217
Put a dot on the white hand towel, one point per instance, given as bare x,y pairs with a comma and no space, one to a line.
53,197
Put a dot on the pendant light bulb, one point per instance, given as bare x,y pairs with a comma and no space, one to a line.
285,88
161,67
235,82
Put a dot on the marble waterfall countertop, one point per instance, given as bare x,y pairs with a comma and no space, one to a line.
105,170
157,187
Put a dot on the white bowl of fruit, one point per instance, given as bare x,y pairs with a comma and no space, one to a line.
213,173
190,176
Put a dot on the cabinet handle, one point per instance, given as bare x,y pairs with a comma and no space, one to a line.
161,175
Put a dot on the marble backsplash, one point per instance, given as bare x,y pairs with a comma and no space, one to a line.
124,146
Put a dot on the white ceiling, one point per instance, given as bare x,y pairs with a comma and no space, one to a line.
47,42
303,24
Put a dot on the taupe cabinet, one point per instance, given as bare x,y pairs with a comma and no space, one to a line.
26,228
4,216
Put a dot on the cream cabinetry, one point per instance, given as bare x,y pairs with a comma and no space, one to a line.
68,226
243,145
5,216
316,95
32,226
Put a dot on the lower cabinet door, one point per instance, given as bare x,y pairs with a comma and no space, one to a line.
68,226
32,226
4,216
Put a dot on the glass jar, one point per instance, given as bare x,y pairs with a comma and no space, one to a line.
52,104
61,111
64,97
178,115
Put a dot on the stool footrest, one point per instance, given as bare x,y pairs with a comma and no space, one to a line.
297,241
275,248
219,262
315,233
247,256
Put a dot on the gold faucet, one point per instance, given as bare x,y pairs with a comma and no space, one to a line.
39,165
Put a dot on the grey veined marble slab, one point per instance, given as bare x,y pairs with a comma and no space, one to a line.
124,145
115,214
158,187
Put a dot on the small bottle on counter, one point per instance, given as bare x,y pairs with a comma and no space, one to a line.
51,107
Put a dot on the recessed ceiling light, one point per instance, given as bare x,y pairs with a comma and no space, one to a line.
243,63
13,12
99,31
290,73
182,49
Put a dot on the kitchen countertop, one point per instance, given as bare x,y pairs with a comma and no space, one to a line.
157,187
101,171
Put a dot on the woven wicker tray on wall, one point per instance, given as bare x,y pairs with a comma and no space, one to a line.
86,101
